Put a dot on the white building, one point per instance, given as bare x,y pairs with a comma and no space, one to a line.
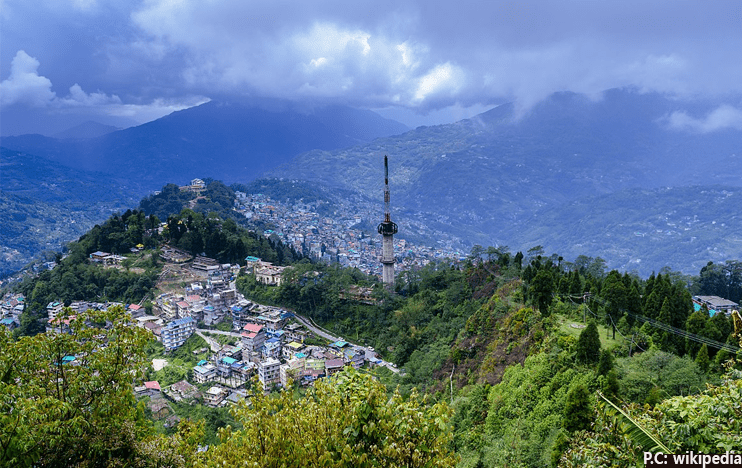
269,372
175,333
204,373
215,395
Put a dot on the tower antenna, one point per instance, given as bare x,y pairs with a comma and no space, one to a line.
387,229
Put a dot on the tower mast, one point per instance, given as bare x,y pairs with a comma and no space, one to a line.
387,229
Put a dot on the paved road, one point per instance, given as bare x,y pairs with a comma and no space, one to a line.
317,330
215,345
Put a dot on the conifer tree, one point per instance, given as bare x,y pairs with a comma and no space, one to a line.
695,324
543,289
615,294
578,413
588,345
703,358
605,365
610,385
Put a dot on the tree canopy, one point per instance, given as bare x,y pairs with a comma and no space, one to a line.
345,421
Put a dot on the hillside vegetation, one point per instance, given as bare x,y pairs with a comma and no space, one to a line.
520,358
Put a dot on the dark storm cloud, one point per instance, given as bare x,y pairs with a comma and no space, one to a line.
414,55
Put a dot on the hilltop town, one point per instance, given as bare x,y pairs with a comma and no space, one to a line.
340,237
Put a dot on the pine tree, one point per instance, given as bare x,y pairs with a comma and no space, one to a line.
605,365
543,289
695,324
578,412
588,345
610,385
665,342
703,358
616,295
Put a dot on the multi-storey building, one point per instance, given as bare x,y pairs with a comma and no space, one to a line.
269,372
212,315
253,337
175,333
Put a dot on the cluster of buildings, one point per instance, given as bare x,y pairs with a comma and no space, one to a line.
11,308
269,344
275,361
337,238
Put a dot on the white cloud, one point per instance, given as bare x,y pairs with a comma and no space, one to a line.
329,59
78,97
721,118
420,55
445,78
25,85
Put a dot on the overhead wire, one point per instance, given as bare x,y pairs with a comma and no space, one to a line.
661,325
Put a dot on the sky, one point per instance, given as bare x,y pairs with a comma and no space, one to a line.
126,62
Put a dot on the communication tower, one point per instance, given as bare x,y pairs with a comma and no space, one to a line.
387,229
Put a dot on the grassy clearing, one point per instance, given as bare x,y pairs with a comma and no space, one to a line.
568,326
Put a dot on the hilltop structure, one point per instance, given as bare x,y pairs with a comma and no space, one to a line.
387,229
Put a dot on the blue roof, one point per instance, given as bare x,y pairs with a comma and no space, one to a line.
697,307
180,321
300,355
68,358
6,321
202,362
340,344
228,360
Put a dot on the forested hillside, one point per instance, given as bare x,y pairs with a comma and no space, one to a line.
520,344
47,204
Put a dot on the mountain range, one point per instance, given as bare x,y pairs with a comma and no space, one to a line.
623,176
229,141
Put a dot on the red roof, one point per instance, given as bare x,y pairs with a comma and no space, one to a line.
152,385
134,307
253,327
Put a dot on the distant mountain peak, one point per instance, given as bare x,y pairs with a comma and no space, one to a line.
88,129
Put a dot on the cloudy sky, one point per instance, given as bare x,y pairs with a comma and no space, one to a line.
129,61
